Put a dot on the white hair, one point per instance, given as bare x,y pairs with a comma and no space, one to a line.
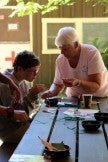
66,35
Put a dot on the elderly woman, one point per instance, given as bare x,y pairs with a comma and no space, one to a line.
79,67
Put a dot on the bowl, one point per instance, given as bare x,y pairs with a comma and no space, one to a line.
101,116
51,102
60,153
91,125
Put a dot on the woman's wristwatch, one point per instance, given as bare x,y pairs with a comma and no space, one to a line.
10,112
76,83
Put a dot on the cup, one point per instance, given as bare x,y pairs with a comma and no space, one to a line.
51,102
87,100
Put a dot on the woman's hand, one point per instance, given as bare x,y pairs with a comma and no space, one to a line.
68,82
53,91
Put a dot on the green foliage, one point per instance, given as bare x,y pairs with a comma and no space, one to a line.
105,59
101,2
3,2
101,45
23,9
103,48
53,5
27,7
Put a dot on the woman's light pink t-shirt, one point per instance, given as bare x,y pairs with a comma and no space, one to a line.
90,62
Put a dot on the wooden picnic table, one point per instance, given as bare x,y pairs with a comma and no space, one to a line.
55,127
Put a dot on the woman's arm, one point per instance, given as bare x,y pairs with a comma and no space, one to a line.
91,85
53,91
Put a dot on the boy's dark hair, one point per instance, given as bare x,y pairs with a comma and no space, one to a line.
26,59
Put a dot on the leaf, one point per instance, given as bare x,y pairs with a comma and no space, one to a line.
31,7
46,144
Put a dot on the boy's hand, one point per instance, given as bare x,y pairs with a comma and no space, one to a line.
37,89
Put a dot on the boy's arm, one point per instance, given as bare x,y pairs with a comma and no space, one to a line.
17,114
14,89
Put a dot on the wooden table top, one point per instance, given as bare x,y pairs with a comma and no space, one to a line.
55,127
